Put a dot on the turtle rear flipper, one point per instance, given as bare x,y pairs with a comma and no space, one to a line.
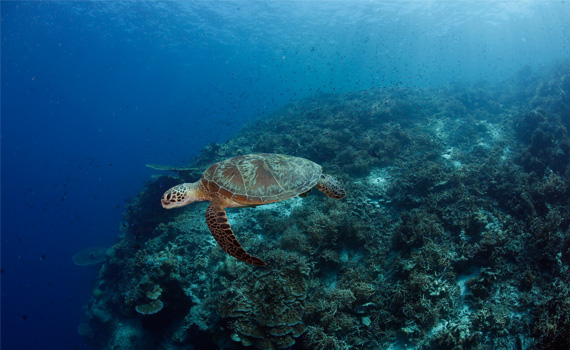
222,232
188,173
330,186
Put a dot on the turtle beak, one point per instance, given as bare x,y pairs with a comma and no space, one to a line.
170,201
165,203
175,197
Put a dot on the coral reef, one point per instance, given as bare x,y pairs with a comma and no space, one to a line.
455,232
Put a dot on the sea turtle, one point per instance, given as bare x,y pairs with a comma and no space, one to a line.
245,181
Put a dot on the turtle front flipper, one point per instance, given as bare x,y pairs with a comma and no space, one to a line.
222,232
330,186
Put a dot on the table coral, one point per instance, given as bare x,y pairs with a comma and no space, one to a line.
90,256
150,308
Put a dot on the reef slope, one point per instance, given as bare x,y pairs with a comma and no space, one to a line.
454,233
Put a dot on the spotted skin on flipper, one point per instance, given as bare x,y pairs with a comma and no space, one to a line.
222,232
330,186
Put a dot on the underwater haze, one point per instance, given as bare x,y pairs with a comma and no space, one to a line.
446,121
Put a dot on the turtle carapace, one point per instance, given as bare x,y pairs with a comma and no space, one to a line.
249,180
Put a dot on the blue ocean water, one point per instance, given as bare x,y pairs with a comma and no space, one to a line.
93,91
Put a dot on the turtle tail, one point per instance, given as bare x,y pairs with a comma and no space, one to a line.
330,186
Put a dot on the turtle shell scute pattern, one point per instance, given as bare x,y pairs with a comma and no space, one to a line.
261,178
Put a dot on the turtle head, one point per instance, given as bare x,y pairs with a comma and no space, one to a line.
180,195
